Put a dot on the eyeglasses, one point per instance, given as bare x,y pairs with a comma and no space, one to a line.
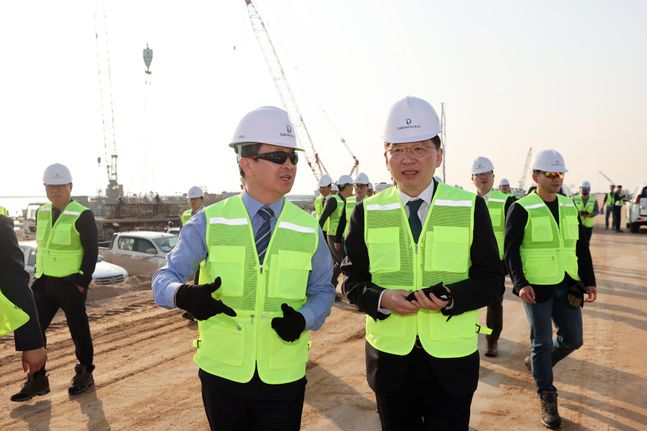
278,157
397,152
554,175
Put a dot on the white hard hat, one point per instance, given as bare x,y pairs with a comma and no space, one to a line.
56,174
265,125
482,164
411,120
195,192
504,182
585,185
361,178
549,161
325,180
334,188
344,179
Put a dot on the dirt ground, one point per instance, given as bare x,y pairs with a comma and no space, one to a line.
146,380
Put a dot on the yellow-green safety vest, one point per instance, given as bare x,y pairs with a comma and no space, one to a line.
233,347
589,208
3,211
334,218
495,201
59,247
186,216
351,201
441,255
609,199
319,207
548,250
11,316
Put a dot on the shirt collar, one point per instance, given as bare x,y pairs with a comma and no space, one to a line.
252,205
425,195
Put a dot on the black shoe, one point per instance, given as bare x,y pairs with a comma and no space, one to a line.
188,316
549,414
527,363
81,381
36,384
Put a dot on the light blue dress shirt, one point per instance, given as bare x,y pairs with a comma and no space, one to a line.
191,249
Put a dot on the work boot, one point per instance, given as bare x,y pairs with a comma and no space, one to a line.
81,381
36,384
188,316
492,350
549,414
527,363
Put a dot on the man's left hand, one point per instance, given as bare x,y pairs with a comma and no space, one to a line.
81,289
291,325
591,294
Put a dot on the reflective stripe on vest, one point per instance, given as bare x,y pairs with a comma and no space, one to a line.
496,207
334,218
442,254
350,206
59,247
186,216
11,316
589,208
548,250
233,347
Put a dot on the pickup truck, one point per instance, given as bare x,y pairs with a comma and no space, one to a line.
140,252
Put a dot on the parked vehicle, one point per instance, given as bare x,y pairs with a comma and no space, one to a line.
173,230
29,224
141,253
104,272
637,209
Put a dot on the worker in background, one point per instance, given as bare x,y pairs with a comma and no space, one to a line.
266,282
587,205
421,348
67,254
334,189
361,186
325,189
195,196
17,310
371,190
550,266
335,210
609,201
618,203
3,211
504,187
498,204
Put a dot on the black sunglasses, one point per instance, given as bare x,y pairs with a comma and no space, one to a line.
278,157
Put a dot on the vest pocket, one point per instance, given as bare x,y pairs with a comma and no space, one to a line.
282,354
541,229
495,216
289,274
447,249
62,235
228,263
383,249
41,230
539,265
571,228
223,340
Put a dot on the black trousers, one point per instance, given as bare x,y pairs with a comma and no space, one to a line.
255,405
609,211
588,231
423,403
50,294
337,257
616,217
494,318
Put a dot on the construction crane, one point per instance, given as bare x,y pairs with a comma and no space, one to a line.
608,179
113,189
283,87
524,174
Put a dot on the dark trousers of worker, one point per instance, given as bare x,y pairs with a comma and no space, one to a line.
616,217
52,294
588,231
494,318
255,405
609,212
337,256
423,402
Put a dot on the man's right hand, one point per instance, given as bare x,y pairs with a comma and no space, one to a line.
396,301
527,295
33,360
197,300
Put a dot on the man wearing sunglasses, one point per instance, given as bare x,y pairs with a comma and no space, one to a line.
550,265
265,281
421,345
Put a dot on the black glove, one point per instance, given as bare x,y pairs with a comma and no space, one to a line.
291,325
575,296
440,290
197,300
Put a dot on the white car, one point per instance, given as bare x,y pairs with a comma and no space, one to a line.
637,209
140,252
104,272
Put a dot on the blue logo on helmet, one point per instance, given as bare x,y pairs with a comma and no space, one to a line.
408,121
289,129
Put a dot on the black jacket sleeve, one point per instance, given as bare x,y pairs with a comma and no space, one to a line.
331,206
14,283
87,228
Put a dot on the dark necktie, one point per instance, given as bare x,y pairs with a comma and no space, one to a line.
414,220
263,233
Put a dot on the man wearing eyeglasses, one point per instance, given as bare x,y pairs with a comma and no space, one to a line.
265,282
421,260
550,266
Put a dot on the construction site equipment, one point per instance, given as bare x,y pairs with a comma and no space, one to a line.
607,178
524,173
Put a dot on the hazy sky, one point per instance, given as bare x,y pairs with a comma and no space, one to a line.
515,74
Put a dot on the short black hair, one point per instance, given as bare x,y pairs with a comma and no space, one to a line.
246,150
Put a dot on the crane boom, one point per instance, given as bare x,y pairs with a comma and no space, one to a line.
284,90
526,166
608,179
